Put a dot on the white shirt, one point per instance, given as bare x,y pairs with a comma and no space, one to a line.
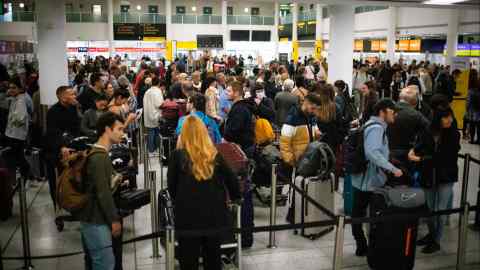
152,100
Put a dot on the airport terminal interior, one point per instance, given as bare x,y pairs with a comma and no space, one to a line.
249,135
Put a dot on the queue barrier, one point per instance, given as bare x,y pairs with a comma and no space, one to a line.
339,221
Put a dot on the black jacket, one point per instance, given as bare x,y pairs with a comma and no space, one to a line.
409,123
200,204
240,124
439,164
60,120
334,131
87,99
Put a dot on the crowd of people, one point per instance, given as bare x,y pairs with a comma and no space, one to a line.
405,110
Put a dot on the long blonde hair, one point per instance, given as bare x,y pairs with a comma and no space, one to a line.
195,140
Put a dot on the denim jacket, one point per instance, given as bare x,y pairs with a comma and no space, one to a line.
377,154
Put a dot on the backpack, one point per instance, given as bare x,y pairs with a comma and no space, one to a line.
263,132
355,161
71,193
317,160
415,81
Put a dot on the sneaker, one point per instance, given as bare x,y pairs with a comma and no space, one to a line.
431,248
425,240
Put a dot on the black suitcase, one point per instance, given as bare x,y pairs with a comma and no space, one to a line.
132,199
392,243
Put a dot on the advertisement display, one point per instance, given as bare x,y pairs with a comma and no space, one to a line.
459,100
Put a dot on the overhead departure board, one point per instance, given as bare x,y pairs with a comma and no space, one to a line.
210,41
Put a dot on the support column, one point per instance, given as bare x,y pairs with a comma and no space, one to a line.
294,9
340,52
110,27
318,30
52,50
275,29
168,19
319,20
452,35
391,34
224,23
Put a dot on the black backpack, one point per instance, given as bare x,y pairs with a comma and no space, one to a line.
317,160
355,161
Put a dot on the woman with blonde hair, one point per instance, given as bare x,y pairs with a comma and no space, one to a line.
197,179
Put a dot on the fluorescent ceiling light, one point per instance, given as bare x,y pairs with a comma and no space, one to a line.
21,5
139,7
442,2
246,10
194,8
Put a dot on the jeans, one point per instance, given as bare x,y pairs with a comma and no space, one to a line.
15,157
438,199
361,200
153,139
95,238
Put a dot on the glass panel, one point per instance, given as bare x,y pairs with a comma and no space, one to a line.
257,20
131,18
231,20
203,19
216,19
148,18
116,18
189,19
243,19
161,18
268,20
177,18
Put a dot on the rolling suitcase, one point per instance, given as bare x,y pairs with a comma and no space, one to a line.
395,240
322,192
32,156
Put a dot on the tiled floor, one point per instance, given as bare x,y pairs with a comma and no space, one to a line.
293,252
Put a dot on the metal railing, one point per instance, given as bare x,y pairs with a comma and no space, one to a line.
128,17
18,16
307,16
196,19
250,20
81,17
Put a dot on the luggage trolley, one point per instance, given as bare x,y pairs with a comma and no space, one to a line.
231,246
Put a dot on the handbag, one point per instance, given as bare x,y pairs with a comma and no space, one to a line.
132,199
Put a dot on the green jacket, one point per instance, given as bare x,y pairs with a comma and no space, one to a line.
100,208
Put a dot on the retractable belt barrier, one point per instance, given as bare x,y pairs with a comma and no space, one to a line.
259,229
336,220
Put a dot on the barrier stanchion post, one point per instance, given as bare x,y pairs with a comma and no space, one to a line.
466,172
146,164
238,256
170,248
135,263
476,225
1,256
339,238
162,153
462,238
24,224
153,212
140,141
273,207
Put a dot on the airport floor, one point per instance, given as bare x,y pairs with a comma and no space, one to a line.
292,252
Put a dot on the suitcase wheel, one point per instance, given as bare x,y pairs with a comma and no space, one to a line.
60,224
295,232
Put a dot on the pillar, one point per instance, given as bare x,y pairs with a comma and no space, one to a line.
340,52
110,27
452,35
275,27
52,63
319,20
168,19
391,34
318,30
224,24
294,9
